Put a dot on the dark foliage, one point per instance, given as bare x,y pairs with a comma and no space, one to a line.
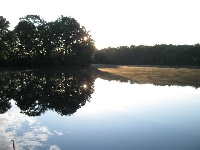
35,92
35,42
176,55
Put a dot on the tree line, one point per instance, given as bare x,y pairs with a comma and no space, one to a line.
36,42
64,42
172,55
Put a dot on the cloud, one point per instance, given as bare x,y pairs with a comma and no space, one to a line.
12,128
58,132
54,147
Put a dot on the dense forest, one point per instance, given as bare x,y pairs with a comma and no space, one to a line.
35,42
176,55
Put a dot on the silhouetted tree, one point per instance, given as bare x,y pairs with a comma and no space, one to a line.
28,39
71,43
35,42
4,25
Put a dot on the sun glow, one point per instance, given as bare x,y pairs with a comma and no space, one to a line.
85,38
84,86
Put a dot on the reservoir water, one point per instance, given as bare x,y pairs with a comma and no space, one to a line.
60,111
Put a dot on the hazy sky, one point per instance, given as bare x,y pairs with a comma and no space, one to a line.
119,22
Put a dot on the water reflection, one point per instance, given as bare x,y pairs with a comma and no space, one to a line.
35,92
27,132
119,115
143,116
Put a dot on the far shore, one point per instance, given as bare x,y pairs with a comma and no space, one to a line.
159,66
158,75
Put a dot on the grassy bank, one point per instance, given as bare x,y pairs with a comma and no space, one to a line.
157,75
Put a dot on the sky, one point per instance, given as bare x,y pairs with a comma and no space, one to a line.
114,23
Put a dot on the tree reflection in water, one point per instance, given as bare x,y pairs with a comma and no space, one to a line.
35,92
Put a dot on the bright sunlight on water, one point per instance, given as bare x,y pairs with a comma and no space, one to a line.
108,115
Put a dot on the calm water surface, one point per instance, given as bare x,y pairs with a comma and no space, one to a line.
58,111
